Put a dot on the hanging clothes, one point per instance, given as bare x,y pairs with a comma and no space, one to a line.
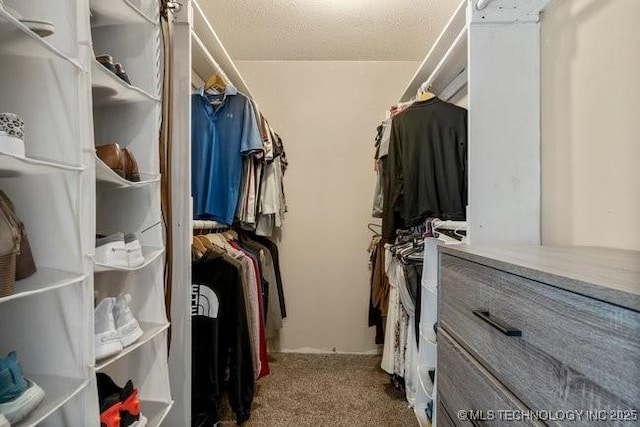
427,166
223,130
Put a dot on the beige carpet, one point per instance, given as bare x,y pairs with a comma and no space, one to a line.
326,390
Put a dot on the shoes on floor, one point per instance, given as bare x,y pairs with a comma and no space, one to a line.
126,324
124,400
120,160
12,134
115,326
106,336
19,396
112,250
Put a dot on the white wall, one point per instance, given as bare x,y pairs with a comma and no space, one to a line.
327,113
590,123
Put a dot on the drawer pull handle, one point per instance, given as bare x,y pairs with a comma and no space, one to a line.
502,327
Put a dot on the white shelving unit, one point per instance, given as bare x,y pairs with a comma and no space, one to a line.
70,103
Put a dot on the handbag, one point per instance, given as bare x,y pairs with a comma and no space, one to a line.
25,265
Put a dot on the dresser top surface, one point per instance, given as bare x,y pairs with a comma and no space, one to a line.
611,275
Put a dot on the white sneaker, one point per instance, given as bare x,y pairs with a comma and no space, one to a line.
134,250
106,336
128,327
3,420
111,250
17,409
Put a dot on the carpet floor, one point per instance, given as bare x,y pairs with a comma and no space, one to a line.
326,390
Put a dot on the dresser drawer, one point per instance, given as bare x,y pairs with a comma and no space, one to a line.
575,352
464,385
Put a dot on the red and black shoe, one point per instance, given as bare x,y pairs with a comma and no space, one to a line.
128,403
110,410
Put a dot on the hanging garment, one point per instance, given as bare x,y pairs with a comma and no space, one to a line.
232,345
426,168
273,248
223,130
382,150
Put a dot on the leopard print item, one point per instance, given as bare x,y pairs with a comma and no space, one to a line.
12,125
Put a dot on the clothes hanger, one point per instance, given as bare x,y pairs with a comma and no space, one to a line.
197,243
371,224
423,93
216,82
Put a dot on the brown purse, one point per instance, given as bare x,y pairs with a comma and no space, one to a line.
25,265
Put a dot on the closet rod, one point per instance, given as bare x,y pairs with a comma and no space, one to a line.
462,37
206,225
216,67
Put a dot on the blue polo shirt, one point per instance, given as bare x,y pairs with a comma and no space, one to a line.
220,135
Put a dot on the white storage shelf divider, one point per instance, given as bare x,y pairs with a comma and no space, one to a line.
130,114
48,82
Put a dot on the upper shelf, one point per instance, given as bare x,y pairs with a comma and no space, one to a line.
209,54
107,178
12,165
109,89
446,59
18,40
116,12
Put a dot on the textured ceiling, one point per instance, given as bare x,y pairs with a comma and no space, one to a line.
350,30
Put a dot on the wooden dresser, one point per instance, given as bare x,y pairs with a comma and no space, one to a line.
542,335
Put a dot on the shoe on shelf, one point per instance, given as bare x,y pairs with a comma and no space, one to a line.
126,324
109,410
112,156
127,397
19,396
4,422
134,250
25,264
131,171
112,250
41,27
106,336
107,62
12,134
120,72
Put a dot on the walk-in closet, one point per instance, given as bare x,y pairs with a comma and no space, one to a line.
319,213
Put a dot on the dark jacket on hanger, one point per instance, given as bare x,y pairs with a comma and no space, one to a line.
273,248
427,166
233,344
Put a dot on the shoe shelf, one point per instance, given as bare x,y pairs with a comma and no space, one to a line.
109,89
150,255
58,391
155,412
116,12
12,166
44,280
18,40
151,331
107,178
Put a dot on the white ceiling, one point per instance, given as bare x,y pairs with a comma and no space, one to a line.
349,30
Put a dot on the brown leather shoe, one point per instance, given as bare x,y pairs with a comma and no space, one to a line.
112,156
131,171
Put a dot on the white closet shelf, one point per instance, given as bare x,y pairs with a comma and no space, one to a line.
58,391
150,254
44,280
107,178
18,40
116,12
151,330
11,165
154,411
109,89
